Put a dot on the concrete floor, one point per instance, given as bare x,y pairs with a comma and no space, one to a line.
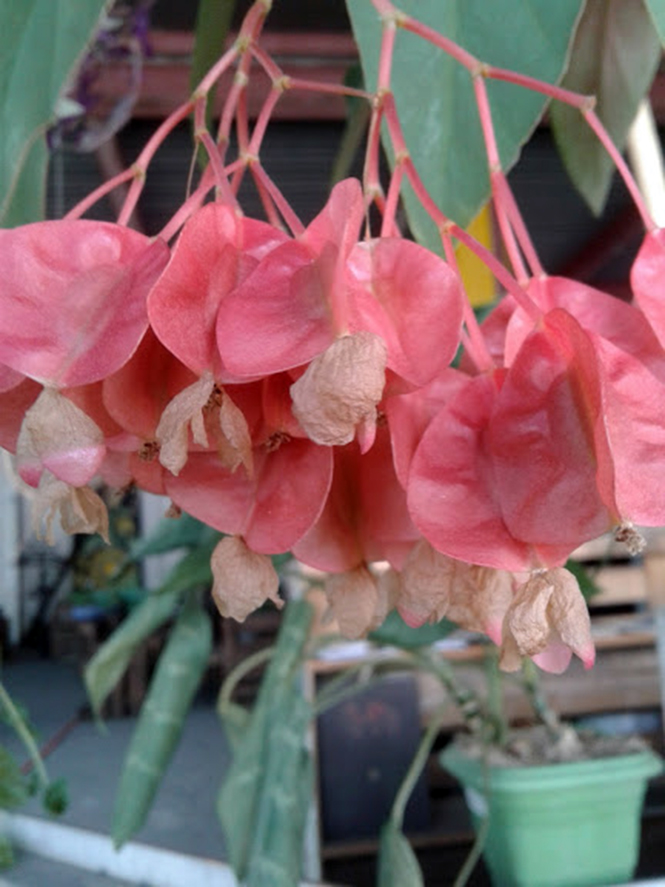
183,818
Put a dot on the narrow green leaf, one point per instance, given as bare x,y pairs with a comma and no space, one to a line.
396,633
242,794
657,11
615,56
162,717
434,95
13,785
398,866
192,571
110,662
40,41
277,845
213,21
170,534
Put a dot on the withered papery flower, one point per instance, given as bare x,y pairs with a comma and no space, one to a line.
358,601
340,389
434,586
548,620
242,579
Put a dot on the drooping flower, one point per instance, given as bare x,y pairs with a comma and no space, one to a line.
548,620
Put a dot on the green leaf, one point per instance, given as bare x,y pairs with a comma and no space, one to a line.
657,11
13,785
40,41
585,580
110,662
56,797
172,689
192,571
435,99
170,534
6,852
398,866
615,56
396,633
272,748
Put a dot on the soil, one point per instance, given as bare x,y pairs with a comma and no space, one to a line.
534,746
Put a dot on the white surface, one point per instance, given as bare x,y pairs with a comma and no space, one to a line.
135,863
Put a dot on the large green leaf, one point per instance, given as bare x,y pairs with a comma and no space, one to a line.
657,10
40,40
615,56
263,801
398,866
162,717
435,99
110,661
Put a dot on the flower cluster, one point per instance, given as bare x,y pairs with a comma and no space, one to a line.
295,390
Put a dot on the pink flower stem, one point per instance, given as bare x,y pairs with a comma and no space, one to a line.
494,164
326,88
472,336
371,181
263,119
585,104
280,201
267,202
84,205
193,202
142,162
388,224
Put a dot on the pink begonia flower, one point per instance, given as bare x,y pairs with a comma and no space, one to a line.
387,306
73,310
365,517
9,379
73,300
216,251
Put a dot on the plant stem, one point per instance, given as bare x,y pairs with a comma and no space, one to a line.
537,699
415,768
239,672
23,733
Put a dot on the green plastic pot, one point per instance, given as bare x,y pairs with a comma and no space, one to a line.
560,825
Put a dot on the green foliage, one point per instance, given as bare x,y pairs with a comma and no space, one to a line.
394,632
436,107
56,797
110,661
13,785
171,534
162,717
40,41
615,54
6,852
264,799
657,11
398,866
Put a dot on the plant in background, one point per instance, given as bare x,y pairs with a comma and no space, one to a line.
292,387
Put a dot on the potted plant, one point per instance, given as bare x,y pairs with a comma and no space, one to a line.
327,389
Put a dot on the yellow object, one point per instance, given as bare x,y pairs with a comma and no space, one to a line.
478,280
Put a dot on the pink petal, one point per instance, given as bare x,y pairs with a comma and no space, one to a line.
215,252
73,298
273,509
647,278
450,491
546,437
339,221
411,298
14,404
279,318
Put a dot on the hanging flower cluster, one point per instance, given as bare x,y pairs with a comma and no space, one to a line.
292,386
